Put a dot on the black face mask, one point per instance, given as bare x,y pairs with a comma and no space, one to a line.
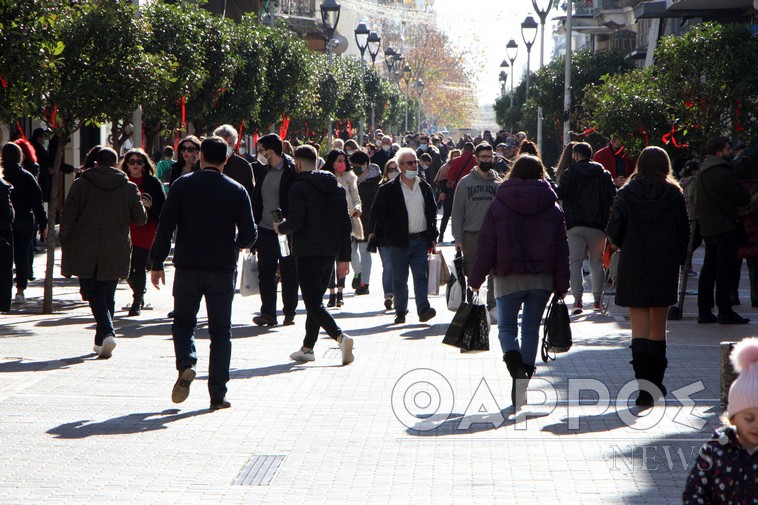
485,166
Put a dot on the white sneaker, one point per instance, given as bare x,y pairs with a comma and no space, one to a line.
106,350
97,348
493,315
346,347
20,298
301,355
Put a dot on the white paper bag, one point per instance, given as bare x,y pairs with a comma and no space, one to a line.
249,275
434,274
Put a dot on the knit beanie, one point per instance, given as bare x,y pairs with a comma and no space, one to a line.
743,394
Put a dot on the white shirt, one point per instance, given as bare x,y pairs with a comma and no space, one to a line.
414,204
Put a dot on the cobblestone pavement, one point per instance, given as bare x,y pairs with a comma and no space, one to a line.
76,429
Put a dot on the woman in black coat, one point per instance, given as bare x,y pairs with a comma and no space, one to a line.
649,223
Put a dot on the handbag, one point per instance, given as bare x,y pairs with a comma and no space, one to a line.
456,286
556,336
470,329
372,245
444,269
433,274
249,275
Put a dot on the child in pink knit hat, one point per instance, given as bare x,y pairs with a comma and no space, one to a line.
726,470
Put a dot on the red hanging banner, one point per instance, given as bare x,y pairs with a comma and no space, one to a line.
284,128
239,135
184,113
20,130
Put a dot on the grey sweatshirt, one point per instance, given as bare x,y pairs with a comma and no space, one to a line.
473,197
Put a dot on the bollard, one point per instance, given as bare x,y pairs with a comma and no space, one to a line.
726,371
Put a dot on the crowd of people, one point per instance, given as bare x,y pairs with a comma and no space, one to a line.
310,215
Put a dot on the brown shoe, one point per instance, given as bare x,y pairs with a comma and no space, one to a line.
182,385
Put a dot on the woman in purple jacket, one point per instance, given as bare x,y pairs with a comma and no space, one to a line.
522,242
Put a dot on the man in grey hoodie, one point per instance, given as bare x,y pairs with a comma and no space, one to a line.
473,197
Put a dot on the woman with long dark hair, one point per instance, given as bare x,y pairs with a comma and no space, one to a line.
189,158
522,243
140,169
649,223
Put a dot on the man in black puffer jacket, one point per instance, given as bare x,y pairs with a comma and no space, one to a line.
320,227
587,191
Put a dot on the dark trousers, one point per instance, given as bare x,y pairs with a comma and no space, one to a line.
719,265
752,270
6,270
138,272
314,275
447,210
190,286
102,302
23,238
268,258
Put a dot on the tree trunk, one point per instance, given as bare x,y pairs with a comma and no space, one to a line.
55,195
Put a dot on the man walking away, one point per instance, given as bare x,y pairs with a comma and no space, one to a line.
320,227
95,238
207,210
587,191
718,196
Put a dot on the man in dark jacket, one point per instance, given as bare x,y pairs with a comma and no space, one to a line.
95,238
718,196
320,227
274,176
6,246
27,205
384,153
406,212
587,192
237,168
207,210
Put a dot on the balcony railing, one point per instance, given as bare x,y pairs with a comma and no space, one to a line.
299,8
615,4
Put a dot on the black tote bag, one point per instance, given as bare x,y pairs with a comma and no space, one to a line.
556,336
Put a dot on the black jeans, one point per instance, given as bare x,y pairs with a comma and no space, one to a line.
102,302
719,265
268,258
23,239
218,289
138,272
447,210
6,270
314,275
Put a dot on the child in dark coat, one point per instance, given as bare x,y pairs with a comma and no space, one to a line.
726,470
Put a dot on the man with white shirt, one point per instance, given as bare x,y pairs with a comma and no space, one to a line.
406,212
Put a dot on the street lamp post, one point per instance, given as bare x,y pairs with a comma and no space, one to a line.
567,85
529,34
542,14
389,60
407,74
330,18
361,39
374,43
419,90
511,50
503,78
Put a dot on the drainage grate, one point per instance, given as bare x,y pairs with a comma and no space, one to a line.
259,471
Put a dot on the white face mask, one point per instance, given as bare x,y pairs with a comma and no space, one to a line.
45,144
262,159
411,174
229,151
242,151
349,153
391,176
385,147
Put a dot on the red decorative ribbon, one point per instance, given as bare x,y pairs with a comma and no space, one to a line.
184,112
671,138
3,82
20,130
588,132
350,128
255,140
239,136
644,135
284,128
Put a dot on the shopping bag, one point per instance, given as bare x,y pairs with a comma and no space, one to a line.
433,275
469,330
444,269
456,286
249,275
556,336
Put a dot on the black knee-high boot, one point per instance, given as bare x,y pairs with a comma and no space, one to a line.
520,376
641,363
658,364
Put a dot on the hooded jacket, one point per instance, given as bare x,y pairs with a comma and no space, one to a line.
6,210
649,223
586,190
718,196
318,220
26,196
94,229
523,233
473,196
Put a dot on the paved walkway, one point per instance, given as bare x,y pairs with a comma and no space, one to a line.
410,422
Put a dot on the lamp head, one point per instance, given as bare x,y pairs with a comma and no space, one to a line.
374,43
330,16
361,37
529,31
511,49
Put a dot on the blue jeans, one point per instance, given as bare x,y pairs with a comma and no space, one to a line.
508,307
102,302
386,257
415,256
218,288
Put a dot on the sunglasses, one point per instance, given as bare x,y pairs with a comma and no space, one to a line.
189,149
135,161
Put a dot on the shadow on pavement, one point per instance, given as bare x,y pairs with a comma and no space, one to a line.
13,331
19,365
423,331
123,425
249,373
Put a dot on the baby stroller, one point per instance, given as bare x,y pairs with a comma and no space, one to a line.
610,270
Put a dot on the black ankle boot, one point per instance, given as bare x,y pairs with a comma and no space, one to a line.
332,300
339,299
136,308
519,375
